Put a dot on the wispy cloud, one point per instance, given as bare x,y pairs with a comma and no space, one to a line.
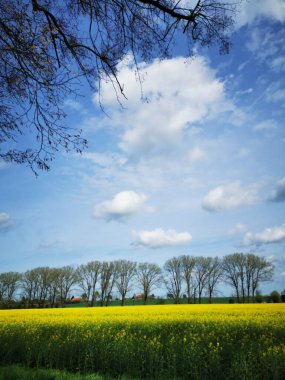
75,106
266,125
159,238
275,92
278,64
268,46
105,159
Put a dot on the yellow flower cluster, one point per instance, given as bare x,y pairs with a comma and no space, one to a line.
257,313
186,341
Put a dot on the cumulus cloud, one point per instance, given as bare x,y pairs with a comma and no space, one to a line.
121,207
278,194
269,235
229,196
6,222
176,95
159,238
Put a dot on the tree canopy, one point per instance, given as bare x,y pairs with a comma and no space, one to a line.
48,47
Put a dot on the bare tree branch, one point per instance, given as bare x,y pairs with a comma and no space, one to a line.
46,47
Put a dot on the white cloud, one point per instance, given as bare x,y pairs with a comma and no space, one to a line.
122,206
269,235
75,106
159,238
278,194
105,159
177,94
249,11
238,229
229,196
244,92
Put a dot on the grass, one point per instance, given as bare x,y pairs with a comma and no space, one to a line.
155,301
16,372
117,302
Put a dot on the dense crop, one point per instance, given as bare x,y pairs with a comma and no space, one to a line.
179,341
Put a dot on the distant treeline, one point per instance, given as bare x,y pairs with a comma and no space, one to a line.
188,276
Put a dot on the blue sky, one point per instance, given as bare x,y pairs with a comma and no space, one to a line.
197,167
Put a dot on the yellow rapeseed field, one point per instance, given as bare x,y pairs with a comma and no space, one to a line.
168,341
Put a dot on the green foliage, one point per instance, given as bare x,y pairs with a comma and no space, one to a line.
258,297
275,296
16,372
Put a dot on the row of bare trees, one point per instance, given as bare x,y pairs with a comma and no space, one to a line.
197,274
98,280
193,276
201,275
